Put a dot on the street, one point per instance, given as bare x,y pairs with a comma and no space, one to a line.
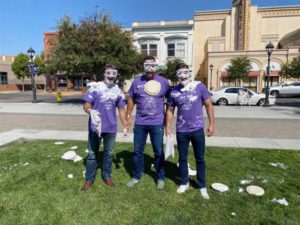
278,122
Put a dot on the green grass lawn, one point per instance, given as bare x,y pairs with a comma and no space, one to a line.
41,193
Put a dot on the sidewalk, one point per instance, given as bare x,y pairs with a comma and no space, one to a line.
287,113
235,142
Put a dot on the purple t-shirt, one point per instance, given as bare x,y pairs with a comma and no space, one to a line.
105,100
149,108
190,106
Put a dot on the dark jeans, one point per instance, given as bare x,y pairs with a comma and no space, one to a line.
156,136
198,141
94,143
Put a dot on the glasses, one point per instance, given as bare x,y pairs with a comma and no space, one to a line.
149,64
183,72
110,73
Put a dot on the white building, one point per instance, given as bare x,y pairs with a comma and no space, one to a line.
165,40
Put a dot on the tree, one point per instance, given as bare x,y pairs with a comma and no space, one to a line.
291,69
19,67
171,69
85,48
239,68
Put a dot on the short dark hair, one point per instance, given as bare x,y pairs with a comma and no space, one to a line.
181,66
111,66
149,57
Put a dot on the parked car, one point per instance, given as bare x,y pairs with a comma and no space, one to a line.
239,95
288,89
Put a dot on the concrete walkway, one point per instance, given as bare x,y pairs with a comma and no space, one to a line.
236,142
288,113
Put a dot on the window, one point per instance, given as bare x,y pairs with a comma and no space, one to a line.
274,81
176,50
227,82
3,78
149,49
232,90
144,49
171,50
153,50
250,83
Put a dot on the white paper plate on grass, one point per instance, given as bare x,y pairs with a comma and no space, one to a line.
69,155
255,190
59,143
219,187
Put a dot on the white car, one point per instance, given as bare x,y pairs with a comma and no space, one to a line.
288,88
239,95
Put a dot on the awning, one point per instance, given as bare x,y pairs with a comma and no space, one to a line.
253,74
250,74
274,73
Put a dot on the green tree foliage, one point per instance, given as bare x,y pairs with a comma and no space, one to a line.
171,69
291,69
239,68
39,61
85,48
19,67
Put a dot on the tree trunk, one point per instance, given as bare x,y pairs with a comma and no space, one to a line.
22,80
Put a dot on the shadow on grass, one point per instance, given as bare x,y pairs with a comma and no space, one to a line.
125,157
171,170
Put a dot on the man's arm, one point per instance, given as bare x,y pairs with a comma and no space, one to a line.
168,120
130,105
122,114
86,107
211,117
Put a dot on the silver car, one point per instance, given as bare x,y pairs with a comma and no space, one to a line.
288,89
239,95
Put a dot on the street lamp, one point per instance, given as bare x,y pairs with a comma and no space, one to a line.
211,69
32,72
269,49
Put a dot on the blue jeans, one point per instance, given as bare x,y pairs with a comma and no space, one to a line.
94,143
156,136
198,142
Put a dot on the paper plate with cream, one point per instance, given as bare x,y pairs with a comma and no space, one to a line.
152,87
255,190
219,187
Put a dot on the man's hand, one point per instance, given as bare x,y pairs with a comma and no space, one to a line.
128,121
168,131
210,131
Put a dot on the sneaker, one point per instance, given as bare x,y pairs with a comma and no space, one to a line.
204,194
183,188
133,182
160,184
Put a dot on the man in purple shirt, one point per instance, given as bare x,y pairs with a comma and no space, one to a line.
189,97
101,102
148,92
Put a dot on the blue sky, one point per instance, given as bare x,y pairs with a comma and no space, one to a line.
23,22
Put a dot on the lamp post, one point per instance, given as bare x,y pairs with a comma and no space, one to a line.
211,67
32,72
269,49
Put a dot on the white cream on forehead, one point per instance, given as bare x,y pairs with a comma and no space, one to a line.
149,61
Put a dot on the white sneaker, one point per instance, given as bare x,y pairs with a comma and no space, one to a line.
204,194
183,188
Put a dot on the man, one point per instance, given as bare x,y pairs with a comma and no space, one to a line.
148,92
188,97
101,103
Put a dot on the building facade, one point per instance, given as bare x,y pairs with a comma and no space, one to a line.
165,40
9,81
222,35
